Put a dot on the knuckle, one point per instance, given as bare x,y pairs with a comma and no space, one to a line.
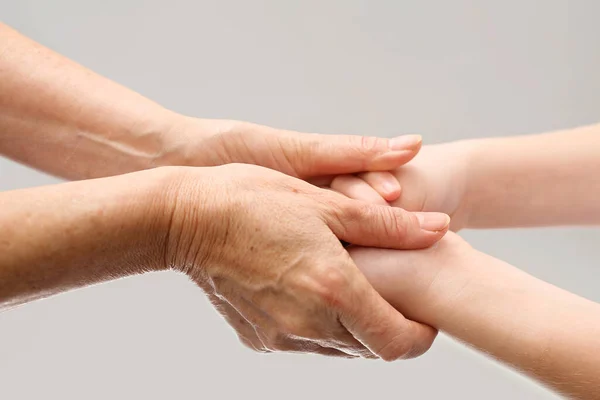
332,278
386,222
331,284
401,227
337,205
324,285
393,223
371,145
410,220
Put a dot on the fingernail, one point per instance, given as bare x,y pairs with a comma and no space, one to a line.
433,222
391,187
406,142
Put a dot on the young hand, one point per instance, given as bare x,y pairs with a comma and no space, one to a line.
435,180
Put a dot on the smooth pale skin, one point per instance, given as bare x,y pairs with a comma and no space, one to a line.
548,179
545,332
263,244
537,180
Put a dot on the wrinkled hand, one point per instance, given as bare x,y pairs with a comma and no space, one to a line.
436,180
313,157
264,246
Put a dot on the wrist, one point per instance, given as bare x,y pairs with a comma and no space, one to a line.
146,201
456,279
488,181
419,283
450,189
468,153
198,142
448,281
85,232
190,221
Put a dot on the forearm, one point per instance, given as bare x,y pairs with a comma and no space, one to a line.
62,118
539,329
548,333
535,180
65,236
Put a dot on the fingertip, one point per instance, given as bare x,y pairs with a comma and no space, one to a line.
387,185
391,160
433,221
384,182
392,192
422,230
427,239
416,339
406,142
424,337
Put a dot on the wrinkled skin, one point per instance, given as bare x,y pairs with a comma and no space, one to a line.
266,249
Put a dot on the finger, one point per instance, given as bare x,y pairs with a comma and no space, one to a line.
346,154
357,189
384,183
380,327
371,225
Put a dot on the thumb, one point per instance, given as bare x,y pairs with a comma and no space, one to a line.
324,155
373,225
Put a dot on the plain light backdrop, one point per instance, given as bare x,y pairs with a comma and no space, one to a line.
447,70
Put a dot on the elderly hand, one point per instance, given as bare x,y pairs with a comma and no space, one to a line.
264,246
309,156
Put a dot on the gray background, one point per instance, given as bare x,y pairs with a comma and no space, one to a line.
448,70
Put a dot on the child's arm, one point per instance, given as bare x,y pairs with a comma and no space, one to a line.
551,179
545,332
535,180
